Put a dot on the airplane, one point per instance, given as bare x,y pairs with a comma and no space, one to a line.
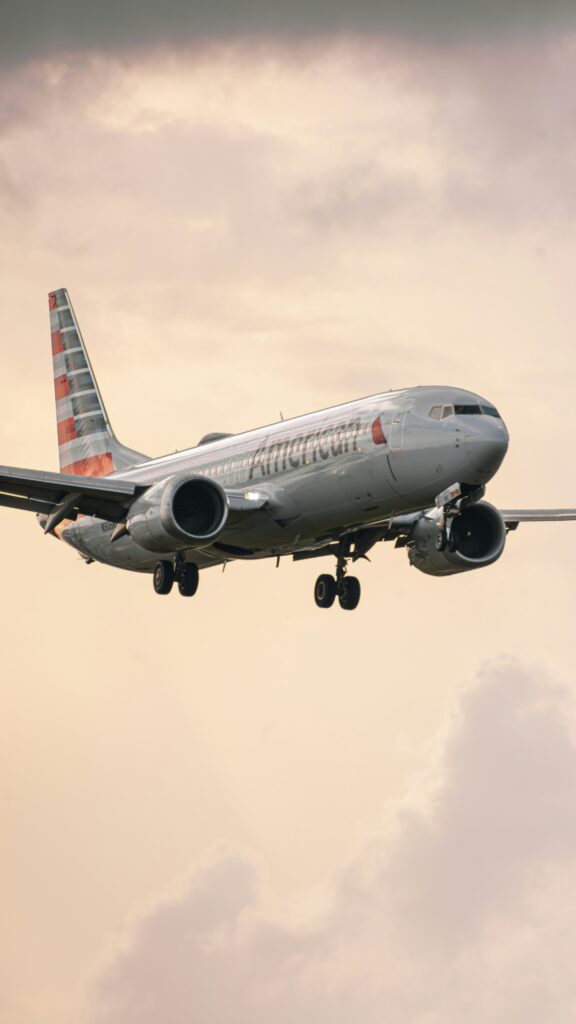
409,466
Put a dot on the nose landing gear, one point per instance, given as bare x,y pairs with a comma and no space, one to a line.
346,588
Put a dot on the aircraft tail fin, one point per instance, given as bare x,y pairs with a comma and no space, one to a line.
86,441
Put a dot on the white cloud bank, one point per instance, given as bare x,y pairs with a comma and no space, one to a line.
462,913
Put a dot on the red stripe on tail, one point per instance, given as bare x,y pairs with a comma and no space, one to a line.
95,465
66,431
61,387
57,346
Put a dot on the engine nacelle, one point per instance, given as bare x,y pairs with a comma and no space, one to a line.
180,512
476,539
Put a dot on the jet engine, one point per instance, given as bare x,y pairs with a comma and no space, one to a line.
180,512
473,538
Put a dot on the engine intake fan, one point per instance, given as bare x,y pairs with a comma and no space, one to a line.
475,538
180,512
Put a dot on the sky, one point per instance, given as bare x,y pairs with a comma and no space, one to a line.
241,808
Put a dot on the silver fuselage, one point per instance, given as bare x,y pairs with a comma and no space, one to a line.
326,473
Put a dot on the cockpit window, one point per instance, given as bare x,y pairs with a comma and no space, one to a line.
439,412
476,410
467,410
489,410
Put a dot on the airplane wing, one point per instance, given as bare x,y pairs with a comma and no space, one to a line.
512,517
60,496
399,527
64,495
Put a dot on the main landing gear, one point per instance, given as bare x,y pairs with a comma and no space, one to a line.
185,574
345,588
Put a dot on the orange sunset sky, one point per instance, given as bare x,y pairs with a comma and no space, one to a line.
240,809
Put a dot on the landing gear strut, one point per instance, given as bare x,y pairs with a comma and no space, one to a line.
184,573
346,588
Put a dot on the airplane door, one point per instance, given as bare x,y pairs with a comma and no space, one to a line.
396,438
416,458
396,428
388,431
399,455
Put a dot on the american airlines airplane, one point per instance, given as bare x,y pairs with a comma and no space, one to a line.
409,466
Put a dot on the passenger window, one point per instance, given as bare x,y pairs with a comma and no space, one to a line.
447,411
435,412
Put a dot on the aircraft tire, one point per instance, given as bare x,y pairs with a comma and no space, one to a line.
325,591
163,577
349,593
188,579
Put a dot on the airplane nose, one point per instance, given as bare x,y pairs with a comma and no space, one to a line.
486,446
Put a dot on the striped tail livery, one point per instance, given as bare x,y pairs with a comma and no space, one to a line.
86,442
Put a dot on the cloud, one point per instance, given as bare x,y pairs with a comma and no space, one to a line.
459,912
353,142
355,201
359,196
12,198
65,26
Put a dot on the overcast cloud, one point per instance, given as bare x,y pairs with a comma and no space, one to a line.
32,30
461,912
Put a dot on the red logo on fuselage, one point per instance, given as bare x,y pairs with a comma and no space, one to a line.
377,432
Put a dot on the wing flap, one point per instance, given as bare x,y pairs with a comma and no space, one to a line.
25,504
38,491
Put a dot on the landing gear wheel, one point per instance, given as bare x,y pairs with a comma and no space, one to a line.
325,591
441,540
188,579
349,593
163,577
